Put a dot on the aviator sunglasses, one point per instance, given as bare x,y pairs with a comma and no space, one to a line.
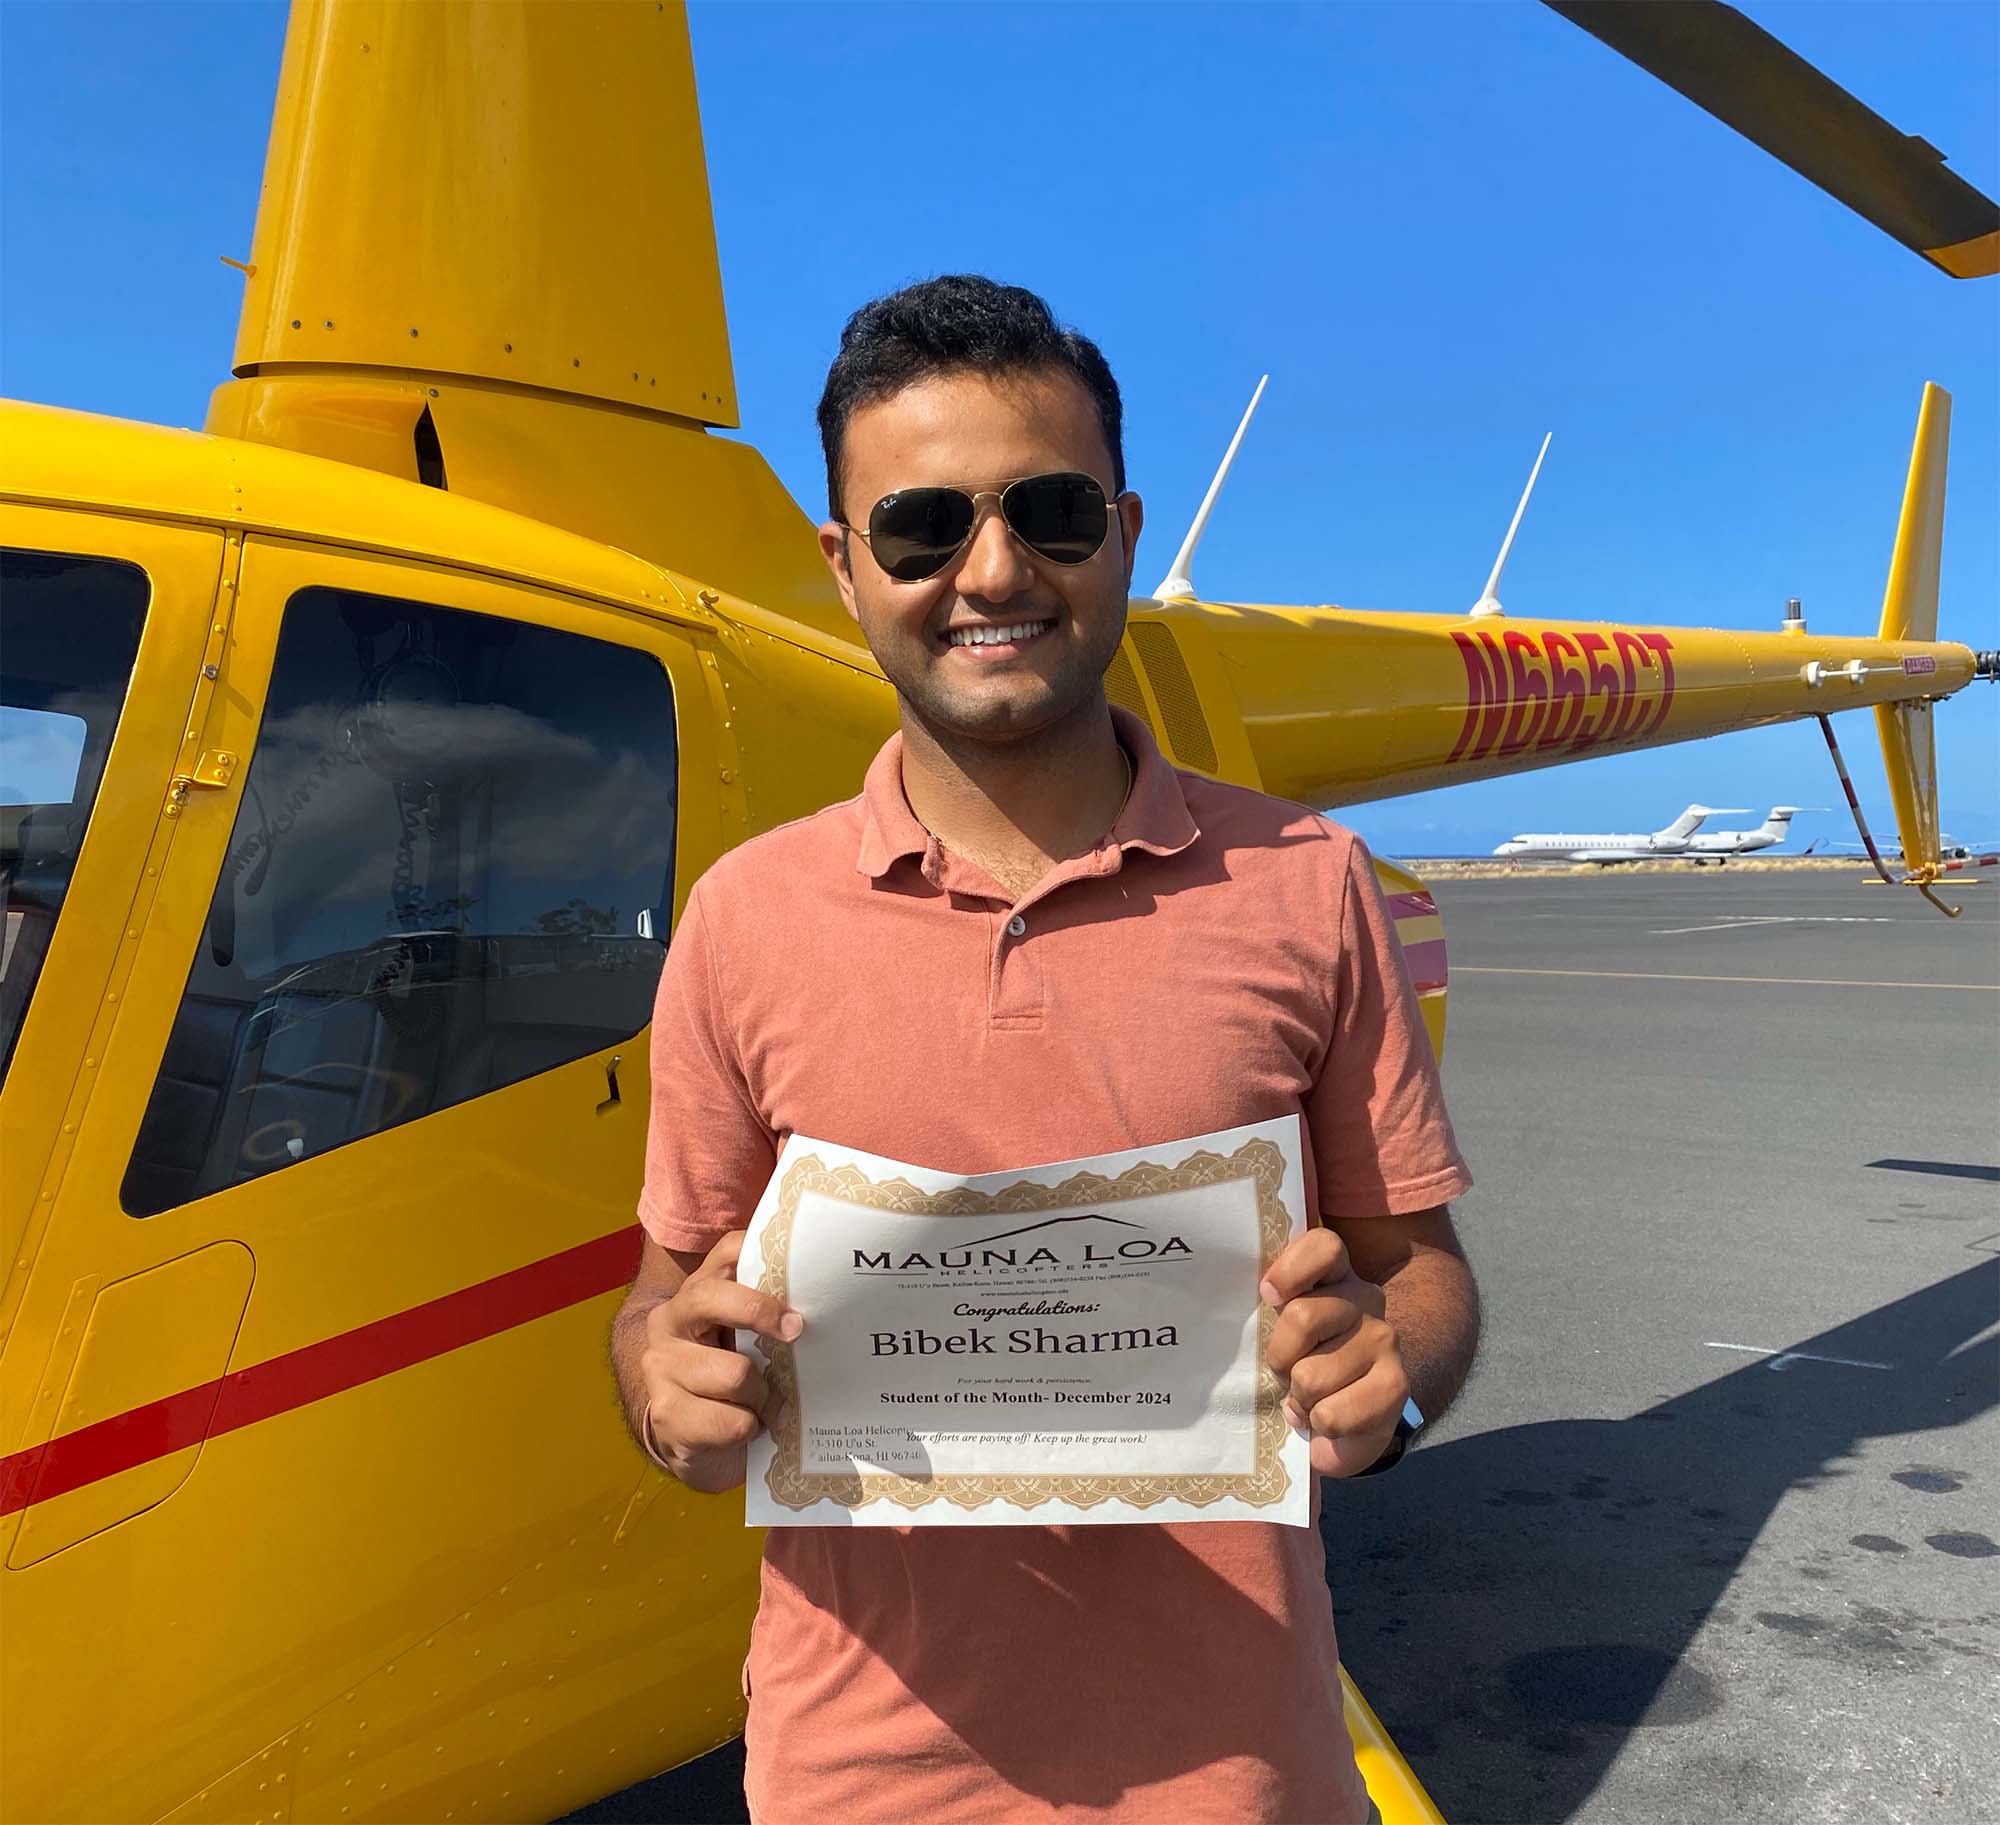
915,532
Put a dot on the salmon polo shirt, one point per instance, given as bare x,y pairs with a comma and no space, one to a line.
1219,958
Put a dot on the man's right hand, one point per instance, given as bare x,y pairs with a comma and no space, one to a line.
704,1402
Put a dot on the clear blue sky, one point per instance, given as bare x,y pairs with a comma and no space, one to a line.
1443,229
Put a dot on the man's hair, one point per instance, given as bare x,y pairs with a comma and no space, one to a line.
957,323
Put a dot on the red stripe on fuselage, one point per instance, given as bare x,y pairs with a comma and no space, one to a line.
312,1373
1426,965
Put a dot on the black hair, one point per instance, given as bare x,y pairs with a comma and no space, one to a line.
957,323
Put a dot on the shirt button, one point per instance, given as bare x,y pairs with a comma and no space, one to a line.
1017,927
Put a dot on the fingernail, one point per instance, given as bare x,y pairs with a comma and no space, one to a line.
790,1326
1268,1293
1294,1418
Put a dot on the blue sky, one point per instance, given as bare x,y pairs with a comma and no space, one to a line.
1443,230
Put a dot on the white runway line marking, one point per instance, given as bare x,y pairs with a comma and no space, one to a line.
1779,1358
1727,925
1674,931
1797,982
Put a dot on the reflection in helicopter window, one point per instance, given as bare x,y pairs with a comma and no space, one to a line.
69,633
455,841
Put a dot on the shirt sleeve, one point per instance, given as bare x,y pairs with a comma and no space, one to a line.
709,1154
1382,1142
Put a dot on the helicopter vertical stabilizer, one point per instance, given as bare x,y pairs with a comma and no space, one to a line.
1910,612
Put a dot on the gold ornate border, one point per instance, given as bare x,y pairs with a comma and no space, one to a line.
792,1486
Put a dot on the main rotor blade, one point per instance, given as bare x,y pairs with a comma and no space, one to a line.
1736,70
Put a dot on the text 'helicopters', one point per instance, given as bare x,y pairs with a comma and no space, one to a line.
375,737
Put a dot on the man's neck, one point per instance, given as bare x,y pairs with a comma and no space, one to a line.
1018,808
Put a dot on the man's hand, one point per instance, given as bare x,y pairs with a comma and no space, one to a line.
704,1402
1337,1351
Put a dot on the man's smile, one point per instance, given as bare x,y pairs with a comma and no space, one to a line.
997,639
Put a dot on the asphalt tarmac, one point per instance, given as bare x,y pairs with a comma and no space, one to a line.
1711,1534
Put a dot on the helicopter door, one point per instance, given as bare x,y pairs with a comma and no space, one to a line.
103,626
384,1035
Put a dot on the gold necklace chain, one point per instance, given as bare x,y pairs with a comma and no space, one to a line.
1131,780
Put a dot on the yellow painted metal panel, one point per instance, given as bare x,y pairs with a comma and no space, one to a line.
1343,706
155,1334
57,1057
1978,258
1909,757
471,1499
431,166
703,506
1910,602
1414,927
1398,1795
114,466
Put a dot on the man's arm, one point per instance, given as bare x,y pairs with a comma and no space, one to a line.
1370,1312
692,1401
662,1273
1430,1300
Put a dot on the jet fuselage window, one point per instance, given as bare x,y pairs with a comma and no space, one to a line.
454,830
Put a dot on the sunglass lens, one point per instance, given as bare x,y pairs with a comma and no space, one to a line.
1062,516
914,534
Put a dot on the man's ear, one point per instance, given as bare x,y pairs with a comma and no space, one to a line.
1131,516
834,548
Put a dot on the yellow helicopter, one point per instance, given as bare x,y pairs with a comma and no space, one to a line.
371,741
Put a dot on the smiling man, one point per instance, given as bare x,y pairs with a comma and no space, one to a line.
1028,939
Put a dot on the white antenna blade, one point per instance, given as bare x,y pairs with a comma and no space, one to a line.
1489,601
1178,583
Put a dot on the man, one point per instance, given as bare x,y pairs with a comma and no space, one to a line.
1030,939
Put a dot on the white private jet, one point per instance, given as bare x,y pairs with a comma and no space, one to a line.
1718,845
1618,846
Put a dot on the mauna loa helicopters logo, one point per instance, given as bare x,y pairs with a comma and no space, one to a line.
1065,1241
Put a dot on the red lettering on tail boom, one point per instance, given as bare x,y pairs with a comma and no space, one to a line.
1551,690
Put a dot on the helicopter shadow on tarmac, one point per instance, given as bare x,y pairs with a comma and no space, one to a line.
1516,1603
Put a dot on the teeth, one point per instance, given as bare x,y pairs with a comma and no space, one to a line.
996,636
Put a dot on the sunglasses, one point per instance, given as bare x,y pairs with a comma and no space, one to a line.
915,532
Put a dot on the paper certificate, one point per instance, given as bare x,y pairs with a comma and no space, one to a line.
1073,1343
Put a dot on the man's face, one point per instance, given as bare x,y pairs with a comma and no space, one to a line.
971,432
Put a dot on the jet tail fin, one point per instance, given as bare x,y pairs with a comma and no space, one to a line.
1910,612
1694,817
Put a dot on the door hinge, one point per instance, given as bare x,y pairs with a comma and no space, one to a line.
215,768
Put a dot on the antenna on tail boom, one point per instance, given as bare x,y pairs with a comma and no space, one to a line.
1178,583
1489,603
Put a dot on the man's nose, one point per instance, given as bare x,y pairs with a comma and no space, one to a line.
994,568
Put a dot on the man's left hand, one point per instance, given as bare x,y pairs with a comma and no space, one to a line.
1337,1352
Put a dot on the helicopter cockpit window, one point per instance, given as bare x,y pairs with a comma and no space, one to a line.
69,633
454,853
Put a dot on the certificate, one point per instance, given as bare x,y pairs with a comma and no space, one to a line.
1070,1344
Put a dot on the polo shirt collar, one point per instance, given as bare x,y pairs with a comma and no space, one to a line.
1156,816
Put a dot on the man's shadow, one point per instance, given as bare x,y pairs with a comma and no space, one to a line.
1516,1603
